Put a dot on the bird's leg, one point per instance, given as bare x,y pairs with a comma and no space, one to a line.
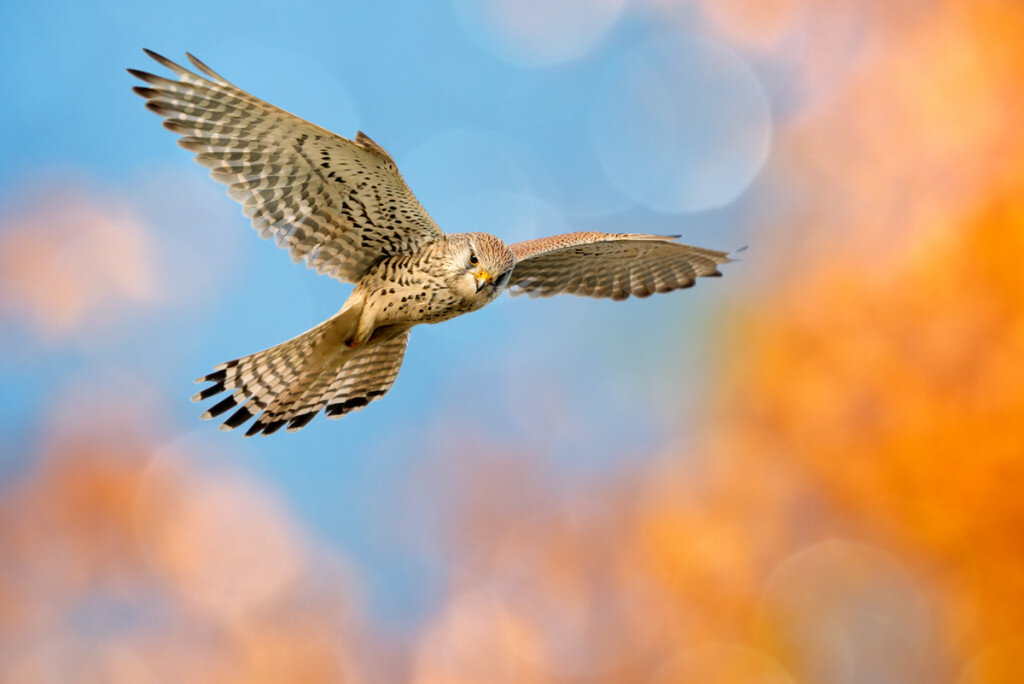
359,323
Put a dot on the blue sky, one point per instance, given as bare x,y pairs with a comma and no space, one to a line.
492,133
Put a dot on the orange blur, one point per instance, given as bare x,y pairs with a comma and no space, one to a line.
852,513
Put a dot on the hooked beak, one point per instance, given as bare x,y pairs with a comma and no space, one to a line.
482,278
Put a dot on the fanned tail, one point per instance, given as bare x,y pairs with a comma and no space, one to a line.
365,374
265,379
367,377
288,385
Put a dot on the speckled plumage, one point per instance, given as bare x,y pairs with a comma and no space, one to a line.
615,265
342,207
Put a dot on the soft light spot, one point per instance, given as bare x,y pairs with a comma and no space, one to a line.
68,258
758,24
722,664
682,125
839,611
223,541
538,32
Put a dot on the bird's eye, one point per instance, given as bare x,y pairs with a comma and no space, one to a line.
472,259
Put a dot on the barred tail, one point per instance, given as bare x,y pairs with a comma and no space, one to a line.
265,379
349,385
288,385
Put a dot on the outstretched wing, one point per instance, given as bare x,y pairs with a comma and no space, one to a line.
339,204
614,265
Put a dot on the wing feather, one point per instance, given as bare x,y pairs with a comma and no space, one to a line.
615,265
341,205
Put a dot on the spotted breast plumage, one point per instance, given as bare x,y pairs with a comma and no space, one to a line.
341,206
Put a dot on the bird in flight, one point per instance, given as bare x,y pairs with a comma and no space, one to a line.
341,206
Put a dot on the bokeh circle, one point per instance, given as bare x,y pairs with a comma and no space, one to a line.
682,125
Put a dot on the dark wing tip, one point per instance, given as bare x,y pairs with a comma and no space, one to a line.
732,254
178,127
224,405
155,55
215,376
210,391
273,426
299,422
243,414
265,425
179,70
203,67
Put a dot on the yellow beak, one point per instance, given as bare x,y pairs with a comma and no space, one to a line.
482,278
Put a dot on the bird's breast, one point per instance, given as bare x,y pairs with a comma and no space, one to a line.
411,293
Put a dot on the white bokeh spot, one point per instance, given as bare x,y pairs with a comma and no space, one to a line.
682,125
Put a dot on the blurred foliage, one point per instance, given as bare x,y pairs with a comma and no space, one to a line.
852,512
125,562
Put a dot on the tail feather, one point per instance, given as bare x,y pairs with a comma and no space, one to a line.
366,375
255,382
288,385
283,409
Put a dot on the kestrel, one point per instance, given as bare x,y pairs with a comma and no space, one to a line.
341,206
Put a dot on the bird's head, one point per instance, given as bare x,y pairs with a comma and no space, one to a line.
480,266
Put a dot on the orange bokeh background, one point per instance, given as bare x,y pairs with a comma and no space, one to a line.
850,511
